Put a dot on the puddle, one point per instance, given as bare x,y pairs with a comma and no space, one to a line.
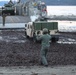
20,41
12,39
73,40
63,40
1,38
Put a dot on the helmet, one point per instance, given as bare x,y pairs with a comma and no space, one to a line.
45,30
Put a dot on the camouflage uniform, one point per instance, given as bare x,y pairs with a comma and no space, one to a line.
45,38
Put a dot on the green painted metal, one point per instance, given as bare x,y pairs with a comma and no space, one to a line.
37,26
48,25
55,25
44,25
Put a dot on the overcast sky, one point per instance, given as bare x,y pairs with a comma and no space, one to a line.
8,0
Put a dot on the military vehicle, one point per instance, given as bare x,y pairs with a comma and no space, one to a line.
8,11
8,8
32,28
41,22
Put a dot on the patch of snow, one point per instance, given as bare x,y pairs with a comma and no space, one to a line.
20,41
1,38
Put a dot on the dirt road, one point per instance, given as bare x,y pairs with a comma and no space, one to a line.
21,56
16,50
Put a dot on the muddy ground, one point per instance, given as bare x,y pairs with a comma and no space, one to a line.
17,50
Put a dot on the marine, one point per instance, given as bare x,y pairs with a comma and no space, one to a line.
4,16
45,44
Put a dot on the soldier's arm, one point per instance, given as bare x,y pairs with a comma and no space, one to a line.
39,37
50,37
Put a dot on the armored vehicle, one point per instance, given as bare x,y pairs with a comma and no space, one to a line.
8,8
8,11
